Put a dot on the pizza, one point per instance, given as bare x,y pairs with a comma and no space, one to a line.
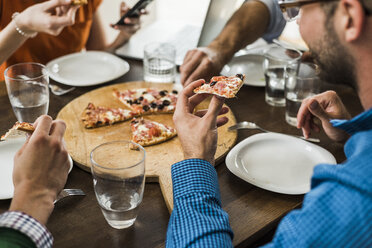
147,133
97,116
223,86
18,129
148,100
79,2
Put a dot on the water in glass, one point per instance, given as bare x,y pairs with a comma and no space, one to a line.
274,94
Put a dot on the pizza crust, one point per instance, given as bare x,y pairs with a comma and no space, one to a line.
19,129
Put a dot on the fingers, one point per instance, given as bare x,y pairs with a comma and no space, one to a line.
186,93
201,113
213,110
58,129
194,60
318,111
42,125
222,121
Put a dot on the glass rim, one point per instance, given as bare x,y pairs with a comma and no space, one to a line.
316,70
267,55
94,163
25,63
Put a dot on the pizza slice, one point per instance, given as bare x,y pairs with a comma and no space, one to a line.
79,2
148,100
147,133
18,130
223,86
97,116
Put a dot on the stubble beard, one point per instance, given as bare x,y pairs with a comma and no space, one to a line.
335,63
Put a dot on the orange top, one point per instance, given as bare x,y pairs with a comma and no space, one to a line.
44,48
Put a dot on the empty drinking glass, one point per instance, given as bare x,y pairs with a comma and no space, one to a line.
118,170
27,86
159,63
299,85
275,61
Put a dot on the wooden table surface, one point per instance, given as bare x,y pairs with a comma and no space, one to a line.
253,212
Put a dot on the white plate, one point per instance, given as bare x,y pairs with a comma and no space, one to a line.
7,151
87,68
277,162
248,64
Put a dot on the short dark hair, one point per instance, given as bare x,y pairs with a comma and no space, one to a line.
330,7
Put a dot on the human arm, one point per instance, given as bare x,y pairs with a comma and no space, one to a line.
197,218
40,172
251,21
324,106
97,38
48,17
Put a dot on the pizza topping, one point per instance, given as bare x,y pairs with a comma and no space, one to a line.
174,91
222,86
153,105
166,103
146,108
160,106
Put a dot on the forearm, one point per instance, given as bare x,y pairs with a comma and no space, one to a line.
197,218
247,24
10,41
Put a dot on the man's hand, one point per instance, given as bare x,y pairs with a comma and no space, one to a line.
325,106
201,63
198,131
49,17
40,170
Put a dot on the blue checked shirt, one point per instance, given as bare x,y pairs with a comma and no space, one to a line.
28,226
337,212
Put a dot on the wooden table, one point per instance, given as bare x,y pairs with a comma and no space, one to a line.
253,212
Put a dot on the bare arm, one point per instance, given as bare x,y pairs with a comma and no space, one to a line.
37,18
247,24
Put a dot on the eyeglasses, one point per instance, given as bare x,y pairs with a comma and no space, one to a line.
291,8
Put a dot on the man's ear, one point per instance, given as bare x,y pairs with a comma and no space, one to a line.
352,19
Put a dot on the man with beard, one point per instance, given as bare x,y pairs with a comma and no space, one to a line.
337,212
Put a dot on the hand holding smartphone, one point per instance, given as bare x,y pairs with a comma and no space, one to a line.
135,11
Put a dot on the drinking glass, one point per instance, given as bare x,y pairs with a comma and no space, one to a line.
300,85
159,63
118,170
27,86
276,59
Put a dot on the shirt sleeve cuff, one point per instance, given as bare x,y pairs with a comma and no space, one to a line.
194,176
277,22
29,226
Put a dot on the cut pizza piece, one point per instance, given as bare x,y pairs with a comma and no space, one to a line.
223,86
79,2
147,133
18,130
97,116
148,100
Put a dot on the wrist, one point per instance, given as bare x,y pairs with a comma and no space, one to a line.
21,26
207,157
38,203
222,52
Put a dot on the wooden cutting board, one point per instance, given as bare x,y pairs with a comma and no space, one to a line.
159,158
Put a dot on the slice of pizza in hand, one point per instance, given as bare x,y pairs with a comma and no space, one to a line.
147,133
79,2
222,86
19,129
97,116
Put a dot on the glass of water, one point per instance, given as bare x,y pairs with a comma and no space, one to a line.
276,59
27,86
159,63
118,170
300,85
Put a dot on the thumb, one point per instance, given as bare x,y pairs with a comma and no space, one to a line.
214,109
318,111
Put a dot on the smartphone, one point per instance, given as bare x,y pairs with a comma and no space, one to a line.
135,11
